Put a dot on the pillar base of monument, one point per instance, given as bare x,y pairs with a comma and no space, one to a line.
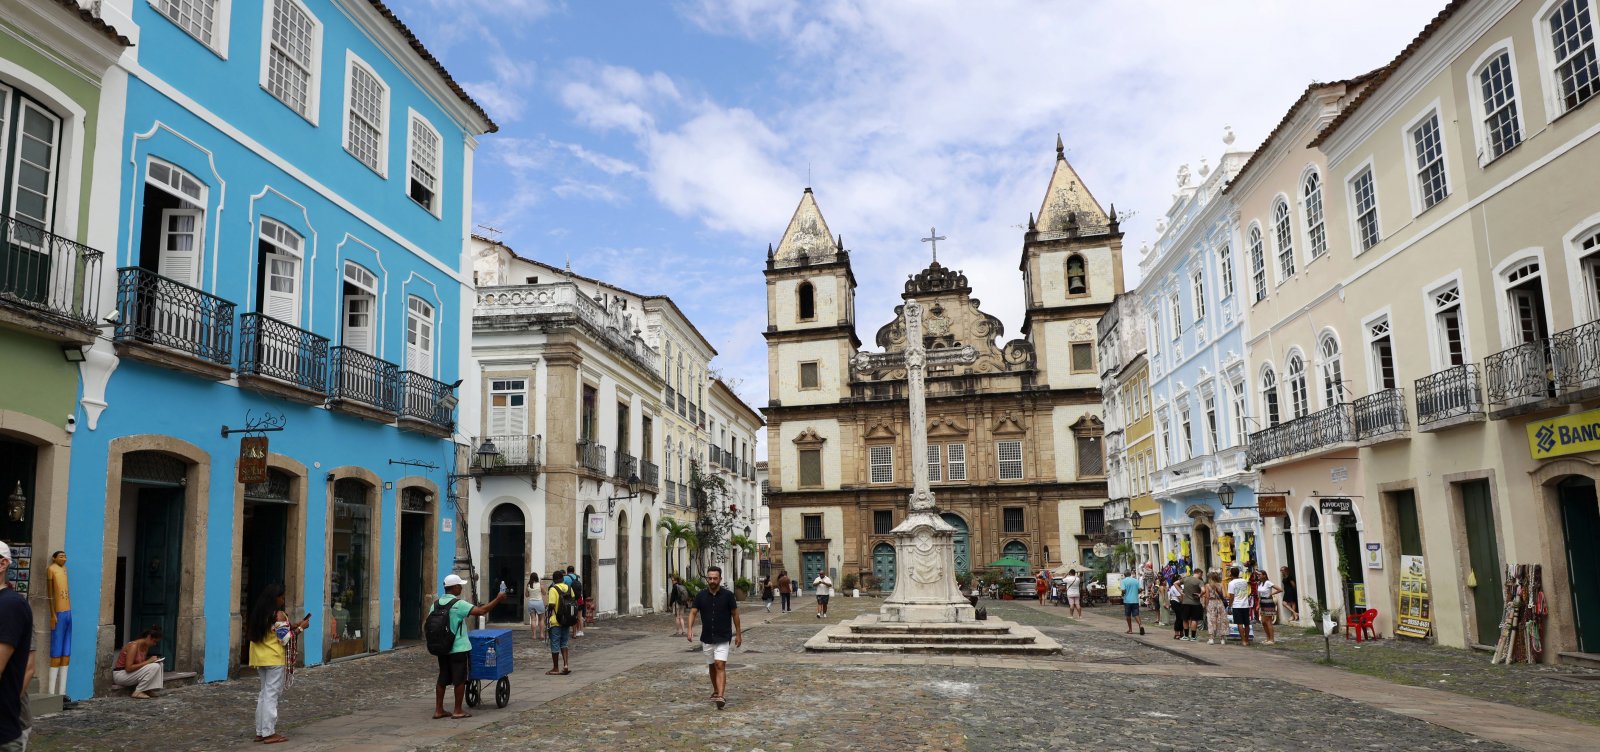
927,613
870,634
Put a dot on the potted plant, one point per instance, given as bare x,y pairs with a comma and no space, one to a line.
742,588
1008,590
850,583
871,582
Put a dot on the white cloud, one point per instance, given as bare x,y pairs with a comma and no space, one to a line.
569,188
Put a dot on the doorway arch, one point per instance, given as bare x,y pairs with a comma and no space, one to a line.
962,546
590,562
622,563
647,585
354,543
1314,539
507,558
1016,550
883,565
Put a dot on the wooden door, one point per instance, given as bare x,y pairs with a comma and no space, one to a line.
157,566
1483,556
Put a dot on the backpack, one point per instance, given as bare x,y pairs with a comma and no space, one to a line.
566,606
441,638
680,594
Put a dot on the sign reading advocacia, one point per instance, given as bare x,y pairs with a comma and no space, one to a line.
1568,434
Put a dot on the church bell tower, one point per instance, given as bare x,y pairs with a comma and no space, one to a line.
811,312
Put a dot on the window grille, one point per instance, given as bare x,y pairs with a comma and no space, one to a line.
291,50
881,464
1009,454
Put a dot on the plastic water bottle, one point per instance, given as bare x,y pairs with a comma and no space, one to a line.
503,587
490,659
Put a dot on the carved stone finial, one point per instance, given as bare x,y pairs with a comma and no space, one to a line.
1031,225
1183,175
769,251
1205,169
1061,149
1227,135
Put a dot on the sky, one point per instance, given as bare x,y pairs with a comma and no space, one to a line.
661,145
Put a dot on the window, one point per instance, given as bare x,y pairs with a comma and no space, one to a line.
1269,395
1364,196
810,468
419,336
1199,287
955,456
1077,278
1177,315
360,292
933,463
423,164
1094,523
1155,334
1225,269
807,299
292,48
1082,357
1332,371
1311,196
366,124
1013,519
808,375
811,526
1382,353
1299,400
1427,148
173,222
1283,233
1211,423
1590,248
279,268
588,417
1185,435
1166,437
1258,263
882,521
1502,123
28,166
1448,326
1009,455
880,461
508,409
1090,448
198,18
1577,72
1241,429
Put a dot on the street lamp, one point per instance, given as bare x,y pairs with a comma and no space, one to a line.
633,493
1225,495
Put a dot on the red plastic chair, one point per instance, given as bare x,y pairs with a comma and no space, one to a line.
1363,624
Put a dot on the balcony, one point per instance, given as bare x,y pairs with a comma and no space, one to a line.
363,385
173,325
1519,380
627,466
1315,433
425,405
513,455
1381,416
592,457
1577,360
282,359
510,308
1449,398
49,285
649,474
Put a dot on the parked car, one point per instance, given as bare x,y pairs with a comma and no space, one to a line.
1024,586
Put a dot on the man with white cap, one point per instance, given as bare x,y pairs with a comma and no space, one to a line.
454,667
16,658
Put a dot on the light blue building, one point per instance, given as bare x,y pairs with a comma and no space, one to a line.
295,201
1194,293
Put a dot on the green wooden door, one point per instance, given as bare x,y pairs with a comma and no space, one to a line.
413,527
963,559
811,563
883,565
157,566
1483,556
1580,521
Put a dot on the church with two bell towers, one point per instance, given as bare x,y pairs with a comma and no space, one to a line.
1016,455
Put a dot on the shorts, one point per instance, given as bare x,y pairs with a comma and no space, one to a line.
1074,599
536,606
1241,617
715,651
1130,610
822,600
61,637
453,669
1194,612
560,637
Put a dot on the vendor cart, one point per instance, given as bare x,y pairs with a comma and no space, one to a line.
490,661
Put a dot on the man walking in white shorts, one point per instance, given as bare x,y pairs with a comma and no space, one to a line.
718,611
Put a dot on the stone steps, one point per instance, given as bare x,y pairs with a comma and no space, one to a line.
932,639
870,634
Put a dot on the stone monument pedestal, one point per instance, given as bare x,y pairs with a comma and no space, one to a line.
925,589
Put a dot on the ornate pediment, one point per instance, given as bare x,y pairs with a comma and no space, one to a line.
1088,425
809,438
942,426
880,430
953,321
1008,425
934,280
1197,511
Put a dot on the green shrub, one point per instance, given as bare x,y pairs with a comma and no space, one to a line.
743,584
849,582
694,585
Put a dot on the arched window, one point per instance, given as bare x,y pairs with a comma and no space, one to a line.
1283,232
807,296
1269,395
1258,263
1299,400
1077,278
1311,195
1332,370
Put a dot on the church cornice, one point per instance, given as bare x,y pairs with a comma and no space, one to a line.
947,494
851,407
837,331
1062,313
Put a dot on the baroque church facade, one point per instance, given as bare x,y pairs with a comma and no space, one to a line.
1015,438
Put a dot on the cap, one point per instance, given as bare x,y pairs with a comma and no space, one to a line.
5,550
453,580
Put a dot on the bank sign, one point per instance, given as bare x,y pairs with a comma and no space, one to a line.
1568,434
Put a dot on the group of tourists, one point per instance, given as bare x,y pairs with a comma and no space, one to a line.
1223,603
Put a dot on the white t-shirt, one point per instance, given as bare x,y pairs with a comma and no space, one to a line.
1264,591
1073,583
823,585
1239,591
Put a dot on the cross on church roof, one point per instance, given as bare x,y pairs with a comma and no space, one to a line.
934,238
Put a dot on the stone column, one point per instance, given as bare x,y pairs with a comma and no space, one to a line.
562,384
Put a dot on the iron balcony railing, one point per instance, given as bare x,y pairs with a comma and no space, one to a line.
592,457
1519,376
48,273
423,398
272,348
1318,430
1450,393
649,474
1380,414
1577,357
160,311
511,454
627,466
360,377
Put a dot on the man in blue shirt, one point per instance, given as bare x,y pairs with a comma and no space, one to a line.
1130,601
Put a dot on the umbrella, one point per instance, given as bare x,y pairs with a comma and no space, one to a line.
1009,562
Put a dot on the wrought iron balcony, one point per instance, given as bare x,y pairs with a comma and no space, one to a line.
1577,360
1317,431
513,455
1380,414
44,274
155,310
1449,394
269,347
363,378
1519,377
627,466
592,457
649,474
422,399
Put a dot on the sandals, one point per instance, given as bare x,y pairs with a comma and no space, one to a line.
566,671
275,739
719,701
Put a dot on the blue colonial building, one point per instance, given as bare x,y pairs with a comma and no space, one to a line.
1193,294
295,199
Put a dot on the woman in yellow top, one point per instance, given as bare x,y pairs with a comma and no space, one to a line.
272,640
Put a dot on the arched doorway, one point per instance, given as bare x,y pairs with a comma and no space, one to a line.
646,577
883,565
590,563
1355,581
153,575
622,563
1288,550
963,558
1203,542
1314,534
353,554
507,559
1019,551
1580,528
264,540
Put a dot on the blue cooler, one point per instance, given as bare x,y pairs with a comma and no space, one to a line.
482,640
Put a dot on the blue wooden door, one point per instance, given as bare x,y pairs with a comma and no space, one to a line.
963,560
883,565
811,564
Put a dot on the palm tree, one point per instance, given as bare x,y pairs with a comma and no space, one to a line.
746,546
676,532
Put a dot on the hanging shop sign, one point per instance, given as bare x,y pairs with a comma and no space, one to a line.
1416,609
1273,505
1336,506
1568,434
252,466
597,526
1374,556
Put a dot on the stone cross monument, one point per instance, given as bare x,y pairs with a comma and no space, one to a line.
925,589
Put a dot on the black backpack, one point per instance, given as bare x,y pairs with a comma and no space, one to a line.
441,638
566,606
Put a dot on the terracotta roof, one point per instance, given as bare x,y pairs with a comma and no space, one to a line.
1289,115
98,23
416,44
1388,70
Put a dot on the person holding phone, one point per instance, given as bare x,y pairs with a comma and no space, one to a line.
136,667
272,652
